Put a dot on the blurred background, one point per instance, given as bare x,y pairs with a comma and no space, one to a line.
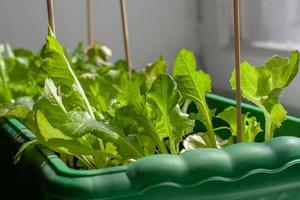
163,27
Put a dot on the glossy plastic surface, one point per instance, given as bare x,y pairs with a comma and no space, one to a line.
267,170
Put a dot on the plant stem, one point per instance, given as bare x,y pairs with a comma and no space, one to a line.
161,147
117,139
207,140
3,73
211,134
268,127
86,161
172,147
211,139
268,123
80,90
221,128
186,106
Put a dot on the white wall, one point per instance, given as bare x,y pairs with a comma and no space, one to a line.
155,26
218,54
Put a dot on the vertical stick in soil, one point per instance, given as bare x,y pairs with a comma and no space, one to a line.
236,16
90,22
51,15
125,33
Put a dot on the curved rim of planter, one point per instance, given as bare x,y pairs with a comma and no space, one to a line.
274,158
181,171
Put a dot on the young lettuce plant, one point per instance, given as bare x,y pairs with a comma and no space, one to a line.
95,111
18,86
250,126
5,92
144,113
91,59
59,69
170,122
193,85
264,85
75,127
155,113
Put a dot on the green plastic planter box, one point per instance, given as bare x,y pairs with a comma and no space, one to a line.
265,171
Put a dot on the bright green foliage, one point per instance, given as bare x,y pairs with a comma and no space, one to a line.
18,86
170,121
250,127
54,138
19,111
156,68
132,117
137,126
264,86
75,121
193,85
57,67
98,112
104,87
91,59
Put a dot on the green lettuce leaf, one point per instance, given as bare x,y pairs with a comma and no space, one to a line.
136,123
193,85
57,67
170,121
153,70
5,93
57,141
78,124
250,127
134,118
264,86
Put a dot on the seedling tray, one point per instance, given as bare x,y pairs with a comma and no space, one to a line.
268,170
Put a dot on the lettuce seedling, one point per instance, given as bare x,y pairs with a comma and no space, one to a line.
76,125
193,85
250,126
97,112
264,85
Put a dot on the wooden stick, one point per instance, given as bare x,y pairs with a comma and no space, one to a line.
236,15
51,15
125,34
90,28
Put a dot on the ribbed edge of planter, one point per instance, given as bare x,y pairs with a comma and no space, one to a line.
189,170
